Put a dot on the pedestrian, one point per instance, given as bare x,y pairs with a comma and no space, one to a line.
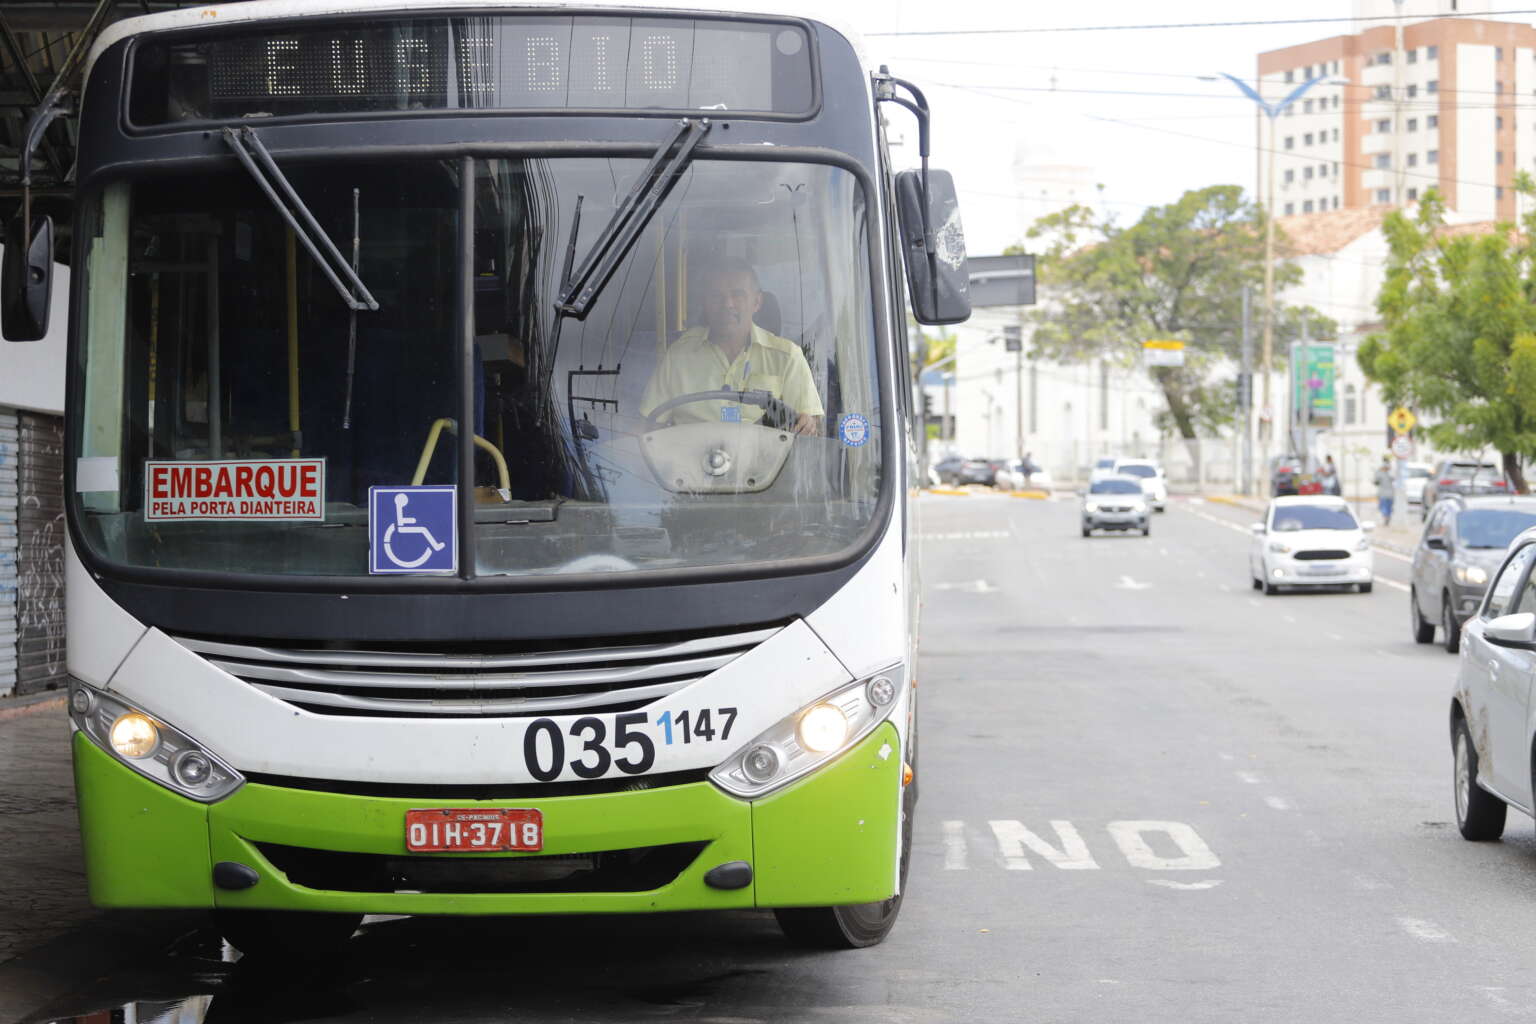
1329,475
1029,468
1386,488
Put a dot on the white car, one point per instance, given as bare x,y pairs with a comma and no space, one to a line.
1102,468
1491,728
1310,541
1011,477
1415,476
1153,483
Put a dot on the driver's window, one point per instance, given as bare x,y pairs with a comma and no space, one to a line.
1504,587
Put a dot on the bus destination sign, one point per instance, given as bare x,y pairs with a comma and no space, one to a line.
235,490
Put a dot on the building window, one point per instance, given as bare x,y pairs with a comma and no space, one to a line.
1498,123
1383,161
1335,132
1290,176
1290,209
1413,194
1431,53
1498,192
1432,121
1306,207
1335,202
1335,107
1413,159
1306,140
1498,156
1290,76
1290,142
1306,173
1498,53
1498,88
1383,126
1413,56
1383,92
1413,91
1432,157
1322,170
1383,195
1413,124
1432,86
1335,168
1384,57
1349,404
1306,106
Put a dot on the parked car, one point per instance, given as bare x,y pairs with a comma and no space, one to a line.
1462,476
1284,475
1011,477
1101,468
1310,541
1462,544
948,468
1491,727
1153,482
1415,476
1116,503
977,471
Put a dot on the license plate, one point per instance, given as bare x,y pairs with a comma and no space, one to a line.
473,830
1323,570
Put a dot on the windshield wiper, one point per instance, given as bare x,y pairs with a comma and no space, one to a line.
579,292
288,204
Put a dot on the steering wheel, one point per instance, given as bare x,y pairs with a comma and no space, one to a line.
777,414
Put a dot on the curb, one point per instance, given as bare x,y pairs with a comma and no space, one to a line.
16,707
1032,495
953,491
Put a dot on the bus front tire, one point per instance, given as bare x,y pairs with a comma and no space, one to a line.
862,924
285,934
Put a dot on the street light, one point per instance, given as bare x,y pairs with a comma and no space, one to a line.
1272,111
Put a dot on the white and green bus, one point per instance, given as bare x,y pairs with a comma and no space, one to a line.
431,549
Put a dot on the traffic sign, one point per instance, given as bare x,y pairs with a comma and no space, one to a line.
1163,352
1402,446
1402,420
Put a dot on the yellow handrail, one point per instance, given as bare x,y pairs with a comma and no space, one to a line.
438,426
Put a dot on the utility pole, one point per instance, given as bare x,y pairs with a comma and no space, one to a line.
1246,368
1267,417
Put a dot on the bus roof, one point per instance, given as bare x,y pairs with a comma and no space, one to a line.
260,10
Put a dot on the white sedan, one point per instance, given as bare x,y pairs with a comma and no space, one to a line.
1310,541
1153,483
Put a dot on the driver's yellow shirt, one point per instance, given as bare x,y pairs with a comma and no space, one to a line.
693,363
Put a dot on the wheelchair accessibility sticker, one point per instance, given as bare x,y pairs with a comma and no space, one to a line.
413,529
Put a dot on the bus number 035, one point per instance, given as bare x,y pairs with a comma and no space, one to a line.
631,741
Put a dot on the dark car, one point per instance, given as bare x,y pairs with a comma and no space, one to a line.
948,468
978,471
1285,475
1462,476
1461,547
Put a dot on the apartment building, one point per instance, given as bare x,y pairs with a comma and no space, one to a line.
1411,99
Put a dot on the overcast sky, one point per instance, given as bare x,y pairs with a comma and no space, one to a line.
991,100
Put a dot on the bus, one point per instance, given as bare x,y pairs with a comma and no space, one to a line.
490,449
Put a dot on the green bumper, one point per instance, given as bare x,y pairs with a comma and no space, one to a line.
828,839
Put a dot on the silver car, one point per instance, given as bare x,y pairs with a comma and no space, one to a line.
1116,503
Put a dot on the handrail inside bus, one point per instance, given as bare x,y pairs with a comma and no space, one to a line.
452,426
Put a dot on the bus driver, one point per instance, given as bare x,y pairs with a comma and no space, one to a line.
731,352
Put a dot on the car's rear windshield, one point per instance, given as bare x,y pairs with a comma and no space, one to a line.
1138,470
1114,487
1491,527
1465,470
1314,517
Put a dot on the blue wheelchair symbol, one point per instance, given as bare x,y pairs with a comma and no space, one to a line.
413,529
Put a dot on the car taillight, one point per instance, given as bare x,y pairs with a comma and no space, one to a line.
1447,483
1500,483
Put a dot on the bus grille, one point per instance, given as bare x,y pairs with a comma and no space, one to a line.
417,683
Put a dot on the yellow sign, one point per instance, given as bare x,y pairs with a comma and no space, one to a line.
1402,420
1165,343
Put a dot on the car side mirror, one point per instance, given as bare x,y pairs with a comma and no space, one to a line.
933,246
26,281
1517,630
1437,543
1257,529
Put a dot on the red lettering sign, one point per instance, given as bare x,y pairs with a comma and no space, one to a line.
235,490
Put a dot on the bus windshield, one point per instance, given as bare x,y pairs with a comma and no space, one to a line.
718,406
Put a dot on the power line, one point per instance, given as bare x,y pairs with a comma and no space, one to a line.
1484,16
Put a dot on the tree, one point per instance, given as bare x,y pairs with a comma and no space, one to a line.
1460,332
1177,273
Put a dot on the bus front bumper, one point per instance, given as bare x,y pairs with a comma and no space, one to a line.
828,839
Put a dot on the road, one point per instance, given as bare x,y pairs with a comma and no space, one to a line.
1148,793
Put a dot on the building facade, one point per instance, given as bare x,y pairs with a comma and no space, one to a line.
1405,103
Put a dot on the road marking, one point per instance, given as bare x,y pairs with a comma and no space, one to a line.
1226,588
1424,931
1163,552
1391,583
967,535
1126,583
1279,803
955,851
1226,757
1333,636
1289,618
1252,778
1184,886
1130,836
1495,995
1392,554
969,587
1013,838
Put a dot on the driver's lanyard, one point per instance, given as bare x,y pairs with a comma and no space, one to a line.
746,375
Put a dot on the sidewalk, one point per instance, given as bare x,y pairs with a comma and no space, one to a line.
1400,537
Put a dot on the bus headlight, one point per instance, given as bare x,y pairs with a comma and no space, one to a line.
800,743
149,746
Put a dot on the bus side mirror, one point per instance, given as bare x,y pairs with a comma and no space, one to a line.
26,281
933,247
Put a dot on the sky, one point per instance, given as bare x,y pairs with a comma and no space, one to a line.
1128,105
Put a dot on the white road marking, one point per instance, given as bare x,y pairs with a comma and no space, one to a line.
1279,803
955,851
1392,554
1252,778
1289,618
1163,552
1013,839
969,587
1130,836
967,535
1226,757
1226,588
1333,636
1184,886
1424,931
1391,583
1495,995
1126,583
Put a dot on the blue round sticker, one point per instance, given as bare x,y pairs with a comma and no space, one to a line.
853,430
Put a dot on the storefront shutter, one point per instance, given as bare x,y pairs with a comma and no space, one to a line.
9,443
40,661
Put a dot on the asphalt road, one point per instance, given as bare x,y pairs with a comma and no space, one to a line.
1148,793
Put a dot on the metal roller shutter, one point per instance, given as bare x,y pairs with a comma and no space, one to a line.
40,660
9,443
